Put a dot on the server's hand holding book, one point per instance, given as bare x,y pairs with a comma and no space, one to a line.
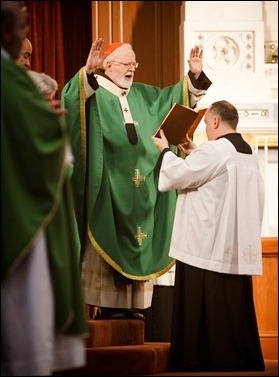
179,121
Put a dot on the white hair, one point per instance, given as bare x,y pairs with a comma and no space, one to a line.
45,83
114,54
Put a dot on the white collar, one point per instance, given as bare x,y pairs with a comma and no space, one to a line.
111,87
120,93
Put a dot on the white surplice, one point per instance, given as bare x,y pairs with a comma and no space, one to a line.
219,209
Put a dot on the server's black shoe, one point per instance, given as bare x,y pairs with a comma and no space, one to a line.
134,314
110,313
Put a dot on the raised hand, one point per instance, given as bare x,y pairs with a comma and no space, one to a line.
196,61
95,58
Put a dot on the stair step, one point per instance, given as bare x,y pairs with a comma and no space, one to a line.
116,347
136,360
115,332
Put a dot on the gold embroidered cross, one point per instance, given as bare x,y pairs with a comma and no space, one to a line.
126,110
227,253
140,236
250,254
137,178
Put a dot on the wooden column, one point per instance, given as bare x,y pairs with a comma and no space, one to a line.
152,27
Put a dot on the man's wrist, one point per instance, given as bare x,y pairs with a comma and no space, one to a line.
165,150
92,81
196,74
90,71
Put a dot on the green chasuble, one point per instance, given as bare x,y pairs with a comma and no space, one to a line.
129,221
36,193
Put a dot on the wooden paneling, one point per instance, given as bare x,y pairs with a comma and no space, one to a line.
266,298
153,29
269,347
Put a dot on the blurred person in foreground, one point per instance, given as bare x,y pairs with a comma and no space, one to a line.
42,309
45,84
48,86
120,212
24,58
216,241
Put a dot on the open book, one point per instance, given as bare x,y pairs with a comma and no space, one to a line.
179,121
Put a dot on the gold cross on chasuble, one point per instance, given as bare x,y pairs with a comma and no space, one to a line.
140,236
137,178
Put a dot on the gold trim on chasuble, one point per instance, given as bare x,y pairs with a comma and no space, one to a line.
82,117
116,266
185,91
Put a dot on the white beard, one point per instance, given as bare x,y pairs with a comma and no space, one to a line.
122,82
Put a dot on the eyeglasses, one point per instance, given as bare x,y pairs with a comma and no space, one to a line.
127,65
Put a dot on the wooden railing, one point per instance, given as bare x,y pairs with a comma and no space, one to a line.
266,298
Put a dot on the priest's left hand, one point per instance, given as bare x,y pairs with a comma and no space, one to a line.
196,61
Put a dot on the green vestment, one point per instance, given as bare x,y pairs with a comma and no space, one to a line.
36,193
115,182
